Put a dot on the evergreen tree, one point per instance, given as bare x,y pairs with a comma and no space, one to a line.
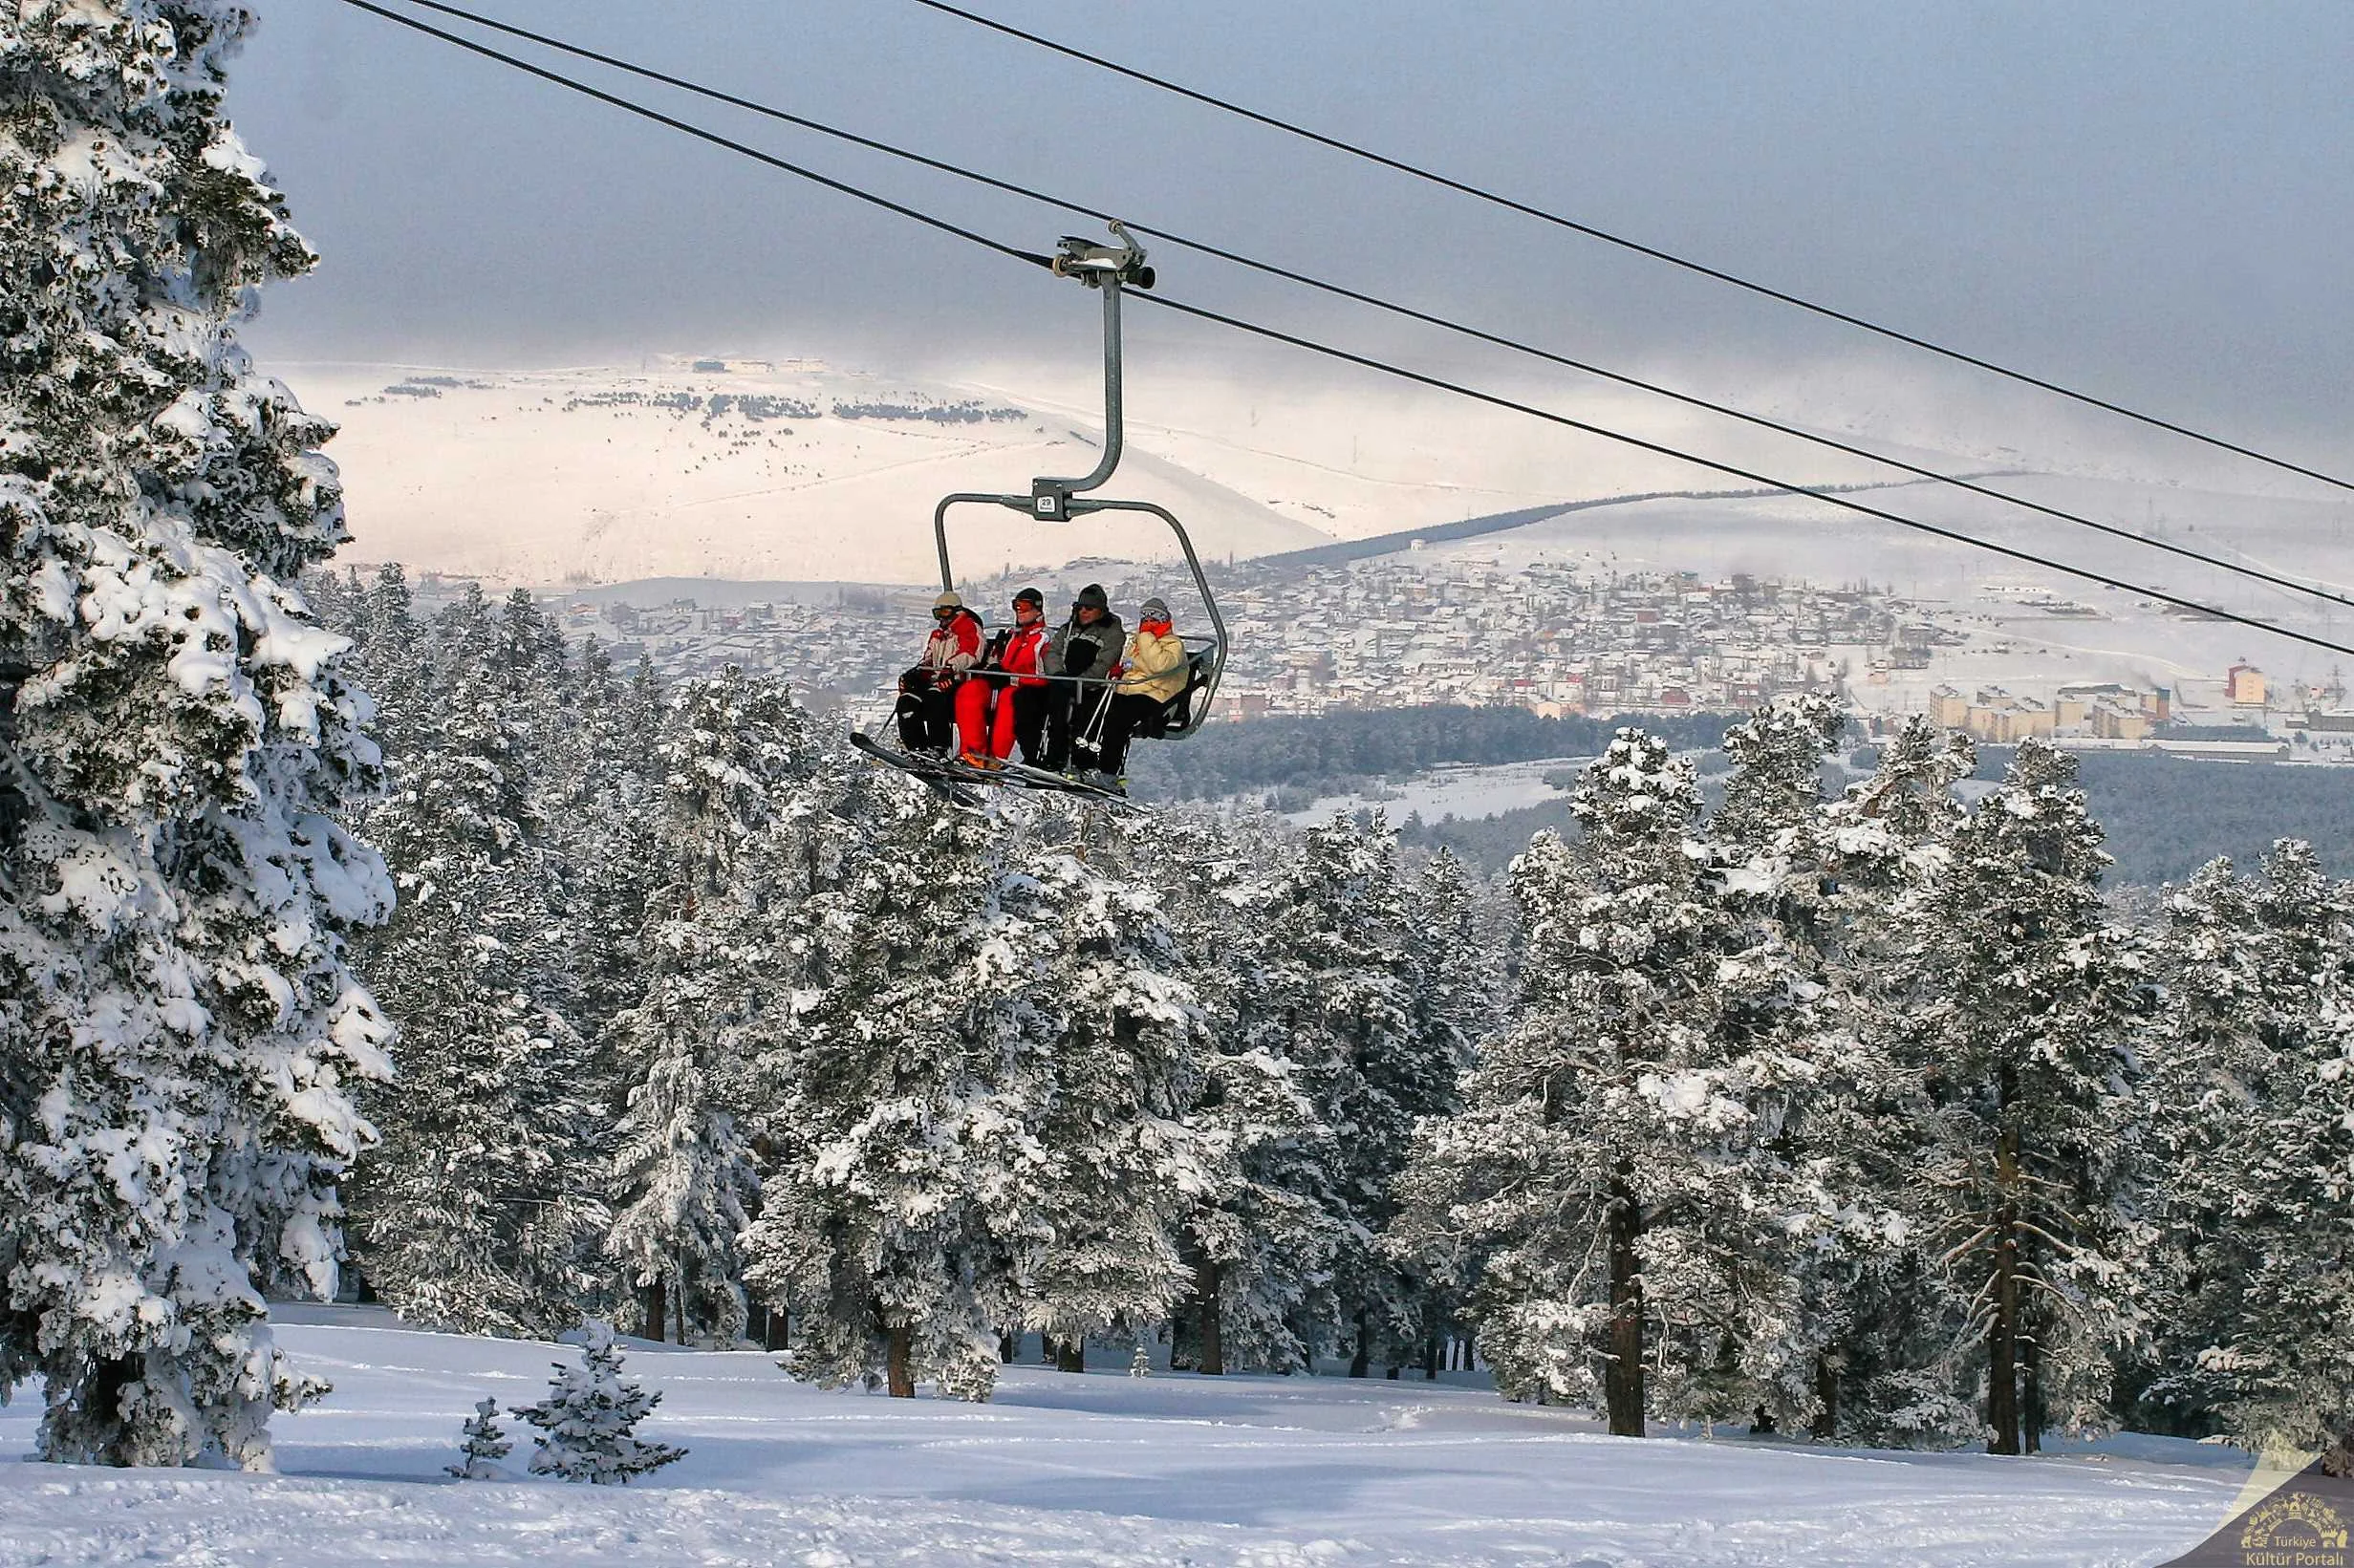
876,1227
607,797
1458,977
2253,1101
178,1028
1742,1340
589,1416
486,1444
1880,1315
478,1211
737,747
1097,1058
2022,1036
1334,994
1569,1164
1261,1238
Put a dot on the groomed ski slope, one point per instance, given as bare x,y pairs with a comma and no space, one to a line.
1066,1470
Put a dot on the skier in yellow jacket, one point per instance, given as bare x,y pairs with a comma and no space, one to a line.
1147,677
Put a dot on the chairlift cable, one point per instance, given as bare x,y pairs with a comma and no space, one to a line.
1829,497
1329,350
1623,242
1410,312
641,110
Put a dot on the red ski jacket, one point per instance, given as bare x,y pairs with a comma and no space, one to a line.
954,647
1024,647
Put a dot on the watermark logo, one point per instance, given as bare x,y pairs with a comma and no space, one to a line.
2295,1529
2304,1523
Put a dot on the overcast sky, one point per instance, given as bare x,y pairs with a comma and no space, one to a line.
2152,201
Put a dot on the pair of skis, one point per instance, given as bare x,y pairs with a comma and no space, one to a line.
959,783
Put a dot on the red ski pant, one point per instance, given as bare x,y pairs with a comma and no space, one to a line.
990,716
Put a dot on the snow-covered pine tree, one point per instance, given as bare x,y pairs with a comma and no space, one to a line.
608,792
179,1029
392,658
1334,994
2025,1040
1882,1313
479,1210
1573,1160
590,1417
1782,1047
1458,972
2252,1101
1260,1241
1458,979
737,748
876,1227
486,1444
1094,1034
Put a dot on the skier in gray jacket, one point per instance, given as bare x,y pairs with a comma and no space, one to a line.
1082,647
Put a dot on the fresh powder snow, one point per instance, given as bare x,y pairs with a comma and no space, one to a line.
1099,1467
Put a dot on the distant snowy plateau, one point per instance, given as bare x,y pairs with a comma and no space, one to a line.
765,471
1092,1469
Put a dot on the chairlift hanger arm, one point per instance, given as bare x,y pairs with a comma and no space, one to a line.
1111,268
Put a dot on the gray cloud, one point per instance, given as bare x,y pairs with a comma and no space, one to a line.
2150,201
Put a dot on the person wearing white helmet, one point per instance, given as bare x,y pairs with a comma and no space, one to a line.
927,692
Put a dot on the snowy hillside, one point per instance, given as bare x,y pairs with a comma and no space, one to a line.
1068,1468
799,470
740,469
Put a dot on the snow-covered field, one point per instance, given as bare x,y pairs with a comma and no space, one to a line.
1464,789
1065,1469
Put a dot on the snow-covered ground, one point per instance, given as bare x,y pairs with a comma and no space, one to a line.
604,475
1077,1468
1462,789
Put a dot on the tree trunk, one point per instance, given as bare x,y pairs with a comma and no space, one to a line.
1209,1280
776,1329
1826,1397
113,1375
2031,1415
658,1308
1071,1355
898,1358
1009,1346
2002,1330
1624,1387
680,1294
1431,1329
1362,1363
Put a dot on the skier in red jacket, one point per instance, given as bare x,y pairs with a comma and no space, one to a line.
1008,700
927,692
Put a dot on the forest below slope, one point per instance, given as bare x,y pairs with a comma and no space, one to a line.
2164,816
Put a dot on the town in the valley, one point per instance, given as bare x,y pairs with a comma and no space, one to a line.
1555,638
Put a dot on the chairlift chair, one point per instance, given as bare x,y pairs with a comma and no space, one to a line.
1109,269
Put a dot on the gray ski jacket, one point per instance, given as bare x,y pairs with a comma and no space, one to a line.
1098,647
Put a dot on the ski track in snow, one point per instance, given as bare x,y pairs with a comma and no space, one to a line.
1099,1468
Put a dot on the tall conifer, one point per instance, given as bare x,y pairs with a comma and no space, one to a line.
178,1028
